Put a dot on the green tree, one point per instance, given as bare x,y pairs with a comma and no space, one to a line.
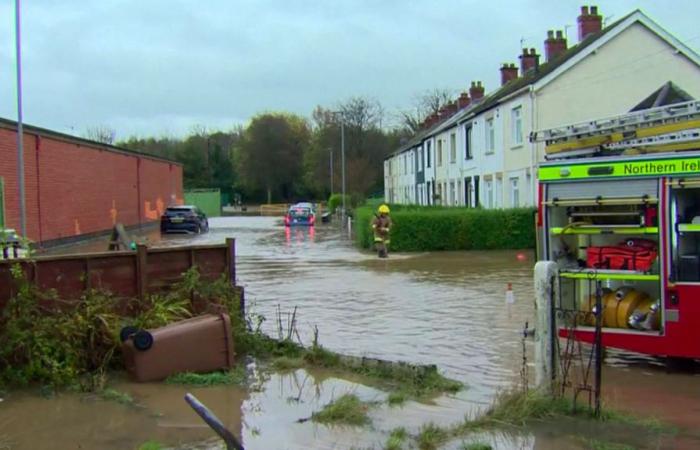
270,154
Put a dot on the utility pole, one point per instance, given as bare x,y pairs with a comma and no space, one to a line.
342,157
20,130
331,152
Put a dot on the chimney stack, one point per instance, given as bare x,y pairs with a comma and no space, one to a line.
452,108
528,60
554,45
508,73
589,22
476,91
463,100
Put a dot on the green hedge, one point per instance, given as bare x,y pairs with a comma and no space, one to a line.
439,228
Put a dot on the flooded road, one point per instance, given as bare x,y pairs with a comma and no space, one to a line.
444,308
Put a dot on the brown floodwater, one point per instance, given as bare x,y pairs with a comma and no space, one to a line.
443,308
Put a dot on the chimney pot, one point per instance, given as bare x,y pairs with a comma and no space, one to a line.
550,34
528,60
476,91
508,73
554,47
589,23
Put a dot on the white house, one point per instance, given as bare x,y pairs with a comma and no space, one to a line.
477,151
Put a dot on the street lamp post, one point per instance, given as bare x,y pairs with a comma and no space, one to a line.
20,130
342,157
331,166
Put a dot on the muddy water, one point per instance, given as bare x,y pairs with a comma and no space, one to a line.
447,309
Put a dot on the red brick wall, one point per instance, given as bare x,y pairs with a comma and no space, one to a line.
79,188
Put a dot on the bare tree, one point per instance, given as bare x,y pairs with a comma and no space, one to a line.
424,105
101,133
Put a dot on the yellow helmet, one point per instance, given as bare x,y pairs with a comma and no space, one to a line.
384,209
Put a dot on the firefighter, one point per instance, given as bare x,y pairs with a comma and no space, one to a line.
381,226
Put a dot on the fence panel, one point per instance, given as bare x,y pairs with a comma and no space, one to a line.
124,274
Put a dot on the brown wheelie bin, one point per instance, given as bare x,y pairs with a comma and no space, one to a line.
199,344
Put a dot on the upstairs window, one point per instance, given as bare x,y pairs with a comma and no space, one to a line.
490,136
468,142
516,120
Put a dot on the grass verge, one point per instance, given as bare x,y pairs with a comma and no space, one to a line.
517,408
403,381
347,409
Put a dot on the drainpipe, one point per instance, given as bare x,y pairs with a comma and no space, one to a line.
138,188
37,147
533,146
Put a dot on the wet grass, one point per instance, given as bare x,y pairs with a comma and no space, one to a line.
403,381
347,409
518,408
151,445
477,446
432,436
397,398
236,376
397,437
595,444
117,396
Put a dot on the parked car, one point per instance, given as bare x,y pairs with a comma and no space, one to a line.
300,214
184,219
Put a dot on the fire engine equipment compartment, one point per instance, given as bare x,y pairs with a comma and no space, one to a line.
199,344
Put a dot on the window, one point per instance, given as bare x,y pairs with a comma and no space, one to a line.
516,120
514,193
452,193
489,194
490,136
468,142
439,152
405,165
420,159
453,147
427,153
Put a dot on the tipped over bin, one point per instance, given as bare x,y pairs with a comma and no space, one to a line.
199,344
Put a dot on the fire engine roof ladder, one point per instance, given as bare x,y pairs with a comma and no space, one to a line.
661,129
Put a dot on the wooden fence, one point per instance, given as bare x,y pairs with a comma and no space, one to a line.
133,274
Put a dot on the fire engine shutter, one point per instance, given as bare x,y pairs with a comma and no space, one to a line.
603,189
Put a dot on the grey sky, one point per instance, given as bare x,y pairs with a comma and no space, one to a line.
154,67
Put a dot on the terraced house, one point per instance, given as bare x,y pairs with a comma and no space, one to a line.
476,151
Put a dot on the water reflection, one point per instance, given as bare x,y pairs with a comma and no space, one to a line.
299,235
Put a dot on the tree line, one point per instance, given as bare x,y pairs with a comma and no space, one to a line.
280,156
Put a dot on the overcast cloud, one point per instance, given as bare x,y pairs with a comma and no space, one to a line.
154,67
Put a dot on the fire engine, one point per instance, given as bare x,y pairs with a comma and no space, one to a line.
619,204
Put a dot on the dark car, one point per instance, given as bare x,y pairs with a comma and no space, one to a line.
300,214
183,219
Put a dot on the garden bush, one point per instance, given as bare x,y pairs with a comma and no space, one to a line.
425,228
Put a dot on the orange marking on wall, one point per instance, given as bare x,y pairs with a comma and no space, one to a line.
113,212
76,226
160,206
151,214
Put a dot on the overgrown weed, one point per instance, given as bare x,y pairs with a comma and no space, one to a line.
397,437
347,409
